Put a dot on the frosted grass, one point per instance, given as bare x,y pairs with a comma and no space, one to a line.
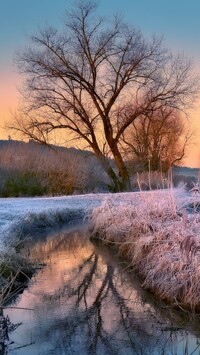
159,238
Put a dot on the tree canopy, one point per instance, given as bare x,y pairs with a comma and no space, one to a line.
94,79
157,140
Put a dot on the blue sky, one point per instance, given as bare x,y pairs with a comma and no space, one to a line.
178,21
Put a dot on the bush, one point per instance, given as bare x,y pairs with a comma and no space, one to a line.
25,184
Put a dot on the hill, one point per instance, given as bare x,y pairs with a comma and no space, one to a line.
185,171
29,169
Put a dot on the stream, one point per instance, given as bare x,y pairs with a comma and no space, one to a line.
84,300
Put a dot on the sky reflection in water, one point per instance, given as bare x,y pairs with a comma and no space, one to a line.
86,302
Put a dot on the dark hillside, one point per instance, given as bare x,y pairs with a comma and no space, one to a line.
30,169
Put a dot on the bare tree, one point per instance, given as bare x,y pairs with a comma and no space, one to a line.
80,79
158,139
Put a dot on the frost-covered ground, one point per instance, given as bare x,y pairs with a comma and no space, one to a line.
157,231
14,211
11,209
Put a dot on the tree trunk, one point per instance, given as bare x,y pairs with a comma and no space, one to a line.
124,178
115,185
118,183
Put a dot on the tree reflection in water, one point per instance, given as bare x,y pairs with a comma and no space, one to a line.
89,305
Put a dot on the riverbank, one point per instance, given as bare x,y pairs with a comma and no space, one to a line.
159,234
156,231
85,300
15,271
16,266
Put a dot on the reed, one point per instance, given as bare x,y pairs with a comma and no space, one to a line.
15,271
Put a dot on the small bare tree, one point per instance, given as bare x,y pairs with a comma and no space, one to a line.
157,139
79,80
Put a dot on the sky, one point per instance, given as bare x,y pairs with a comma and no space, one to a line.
177,20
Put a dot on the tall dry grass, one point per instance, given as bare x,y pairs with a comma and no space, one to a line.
160,239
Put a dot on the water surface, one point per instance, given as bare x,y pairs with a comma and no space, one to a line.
85,301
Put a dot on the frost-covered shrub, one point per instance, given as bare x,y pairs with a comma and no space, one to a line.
150,181
187,181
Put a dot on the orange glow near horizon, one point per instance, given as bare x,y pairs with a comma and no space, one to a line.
9,101
9,97
192,158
